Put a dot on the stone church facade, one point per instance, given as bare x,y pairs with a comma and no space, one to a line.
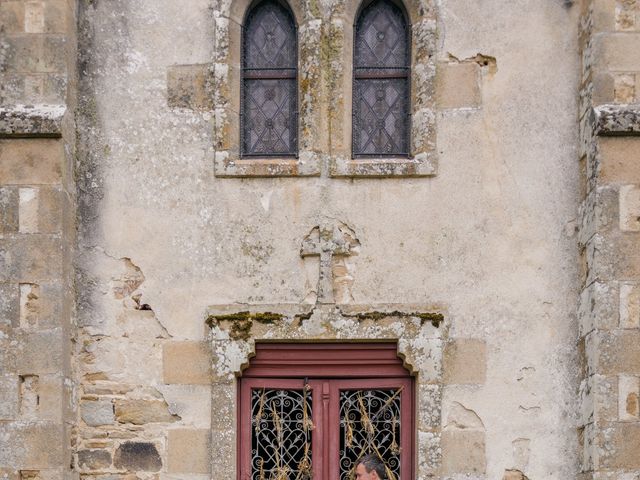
161,291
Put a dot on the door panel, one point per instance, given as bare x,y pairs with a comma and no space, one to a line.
280,429
372,416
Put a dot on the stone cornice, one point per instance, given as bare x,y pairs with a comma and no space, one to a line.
616,120
31,120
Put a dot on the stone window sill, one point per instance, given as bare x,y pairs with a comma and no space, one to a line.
421,165
308,165
304,166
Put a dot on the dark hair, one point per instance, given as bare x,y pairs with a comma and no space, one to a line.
373,462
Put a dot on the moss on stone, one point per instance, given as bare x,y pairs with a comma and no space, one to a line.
434,318
240,330
241,322
329,50
314,8
263,317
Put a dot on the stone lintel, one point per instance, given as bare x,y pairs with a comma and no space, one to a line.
616,120
431,312
392,309
244,321
239,309
31,120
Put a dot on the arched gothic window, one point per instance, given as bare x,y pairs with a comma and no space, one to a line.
269,122
381,62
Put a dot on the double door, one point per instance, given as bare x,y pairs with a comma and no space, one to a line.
317,428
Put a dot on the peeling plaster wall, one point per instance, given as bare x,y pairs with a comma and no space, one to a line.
490,238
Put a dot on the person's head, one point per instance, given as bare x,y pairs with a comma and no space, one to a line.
370,467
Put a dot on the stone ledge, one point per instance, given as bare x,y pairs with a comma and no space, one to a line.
422,165
31,120
289,310
305,166
401,309
247,309
239,319
616,120
308,165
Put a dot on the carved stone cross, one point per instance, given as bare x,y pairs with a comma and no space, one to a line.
327,242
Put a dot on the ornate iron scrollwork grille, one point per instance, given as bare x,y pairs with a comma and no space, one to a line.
281,434
369,423
269,118
381,81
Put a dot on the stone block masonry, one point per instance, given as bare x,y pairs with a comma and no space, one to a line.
37,231
37,234
32,162
189,451
610,301
144,398
186,363
465,361
459,85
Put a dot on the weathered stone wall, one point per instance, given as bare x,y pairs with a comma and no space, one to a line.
37,238
487,240
609,308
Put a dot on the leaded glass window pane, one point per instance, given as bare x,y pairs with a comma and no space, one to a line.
381,81
269,86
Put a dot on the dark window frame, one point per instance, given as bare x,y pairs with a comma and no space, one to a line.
403,72
268,74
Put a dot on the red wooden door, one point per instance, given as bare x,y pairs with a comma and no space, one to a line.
358,398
